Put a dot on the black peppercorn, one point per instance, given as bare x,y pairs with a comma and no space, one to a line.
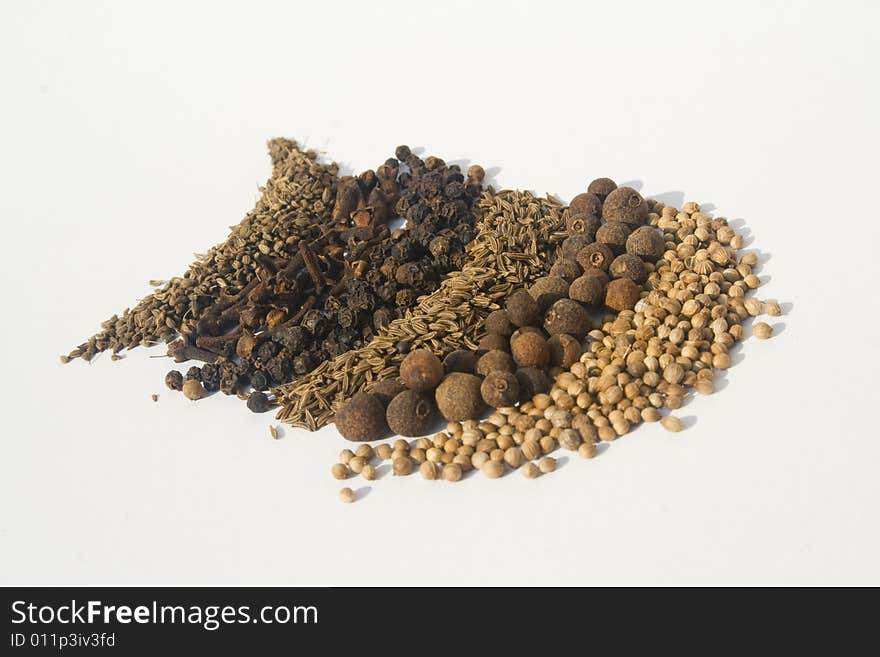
174,380
258,402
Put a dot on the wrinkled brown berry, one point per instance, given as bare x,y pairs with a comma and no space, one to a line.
174,380
458,397
625,204
629,266
530,350
614,234
495,361
410,414
571,246
548,290
582,223
460,360
622,294
565,350
602,187
585,203
498,321
500,389
567,316
362,418
597,256
386,390
421,370
532,381
522,309
492,341
566,268
646,242
588,289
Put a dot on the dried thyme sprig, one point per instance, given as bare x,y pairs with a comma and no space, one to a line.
516,234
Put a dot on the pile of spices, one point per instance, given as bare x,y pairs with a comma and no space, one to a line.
340,288
680,308
295,202
515,238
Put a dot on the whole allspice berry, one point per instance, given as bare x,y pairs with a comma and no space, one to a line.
586,203
614,234
762,330
567,316
458,396
625,204
532,381
565,350
529,349
495,361
582,222
498,322
622,294
629,266
565,268
547,290
522,309
410,414
193,389
362,418
500,389
602,187
421,370
460,360
386,390
646,242
493,341
589,290
596,255
573,244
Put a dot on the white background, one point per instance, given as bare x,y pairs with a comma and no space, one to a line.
132,136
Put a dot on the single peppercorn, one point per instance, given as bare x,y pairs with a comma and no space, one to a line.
629,266
493,341
622,294
410,414
495,361
500,389
596,255
258,402
613,234
174,380
566,268
565,350
625,204
588,289
522,309
586,203
362,418
582,223
646,243
458,396
567,316
386,390
530,349
460,360
532,381
498,322
547,290
421,370
572,245
602,187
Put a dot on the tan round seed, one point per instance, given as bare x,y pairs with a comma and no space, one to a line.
762,330
383,451
357,464
365,452
493,469
530,471
369,472
346,495
428,470
345,456
452,472
513,457
587,450
401,466
531,449
339,471
672,423
773,309
479,458
547,464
